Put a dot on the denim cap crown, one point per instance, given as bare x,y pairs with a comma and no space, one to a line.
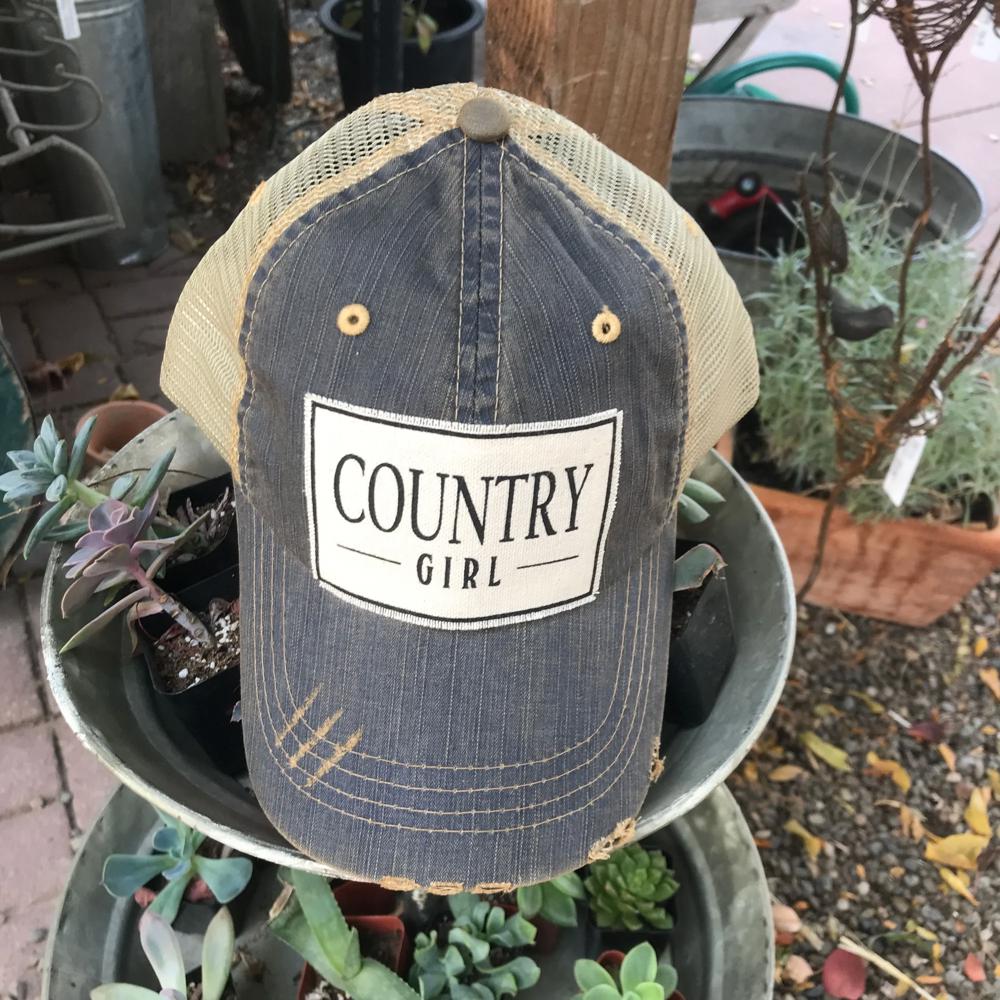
460,443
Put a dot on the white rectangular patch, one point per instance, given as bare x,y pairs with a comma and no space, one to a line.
459,526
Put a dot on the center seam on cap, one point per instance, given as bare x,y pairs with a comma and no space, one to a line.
496,391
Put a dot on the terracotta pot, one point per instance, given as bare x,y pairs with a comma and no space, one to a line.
365,899
611,960
369,926
910,571
118,422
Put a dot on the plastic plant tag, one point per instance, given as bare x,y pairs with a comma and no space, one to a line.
985,41
68,21
903,467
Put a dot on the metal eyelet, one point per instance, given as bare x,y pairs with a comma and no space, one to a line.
607,327
353,319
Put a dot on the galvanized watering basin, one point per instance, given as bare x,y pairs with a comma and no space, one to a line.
723,945
107,699
719,138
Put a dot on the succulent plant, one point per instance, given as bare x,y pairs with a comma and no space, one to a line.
554,900
463,968
306,917
53,469
693,567
110,554
694,497
163,950
626,888
176,858
640,977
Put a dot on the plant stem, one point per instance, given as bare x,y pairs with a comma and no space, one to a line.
85,494
187,619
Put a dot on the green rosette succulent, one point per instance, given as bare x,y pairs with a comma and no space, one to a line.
626,889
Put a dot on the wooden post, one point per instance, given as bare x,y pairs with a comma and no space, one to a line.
615,67
187,79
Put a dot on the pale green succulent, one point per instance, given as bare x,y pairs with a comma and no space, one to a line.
52,469
163,950
640,978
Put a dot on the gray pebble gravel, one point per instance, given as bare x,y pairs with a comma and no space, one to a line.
870,881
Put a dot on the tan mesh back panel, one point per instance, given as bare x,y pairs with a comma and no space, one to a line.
204,374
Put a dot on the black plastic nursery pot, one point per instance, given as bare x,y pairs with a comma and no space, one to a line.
107,698
722,945
721,139
448,60
202,712
702,648
226,553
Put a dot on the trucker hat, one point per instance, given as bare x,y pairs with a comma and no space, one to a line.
461,358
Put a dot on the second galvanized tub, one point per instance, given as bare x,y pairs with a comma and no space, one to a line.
723,945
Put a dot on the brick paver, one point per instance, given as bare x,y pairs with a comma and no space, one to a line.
21,702
89,782
24,284
65,325
134,298
29,777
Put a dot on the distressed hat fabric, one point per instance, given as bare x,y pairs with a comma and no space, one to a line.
461,358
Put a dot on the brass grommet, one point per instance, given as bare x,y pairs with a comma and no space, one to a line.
606,327
353,319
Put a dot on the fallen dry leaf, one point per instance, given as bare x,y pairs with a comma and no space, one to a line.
973,969
810,841
889,768
797,970
827,752
975,814
844,975
873,706
927,731
786,772
960,850
948,754
786,920
126,391
750,772
954,881
299,37
991,678
825,709
980,646
994,777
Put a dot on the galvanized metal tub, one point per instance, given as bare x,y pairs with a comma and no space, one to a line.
723,946
106,699
112,52
719,138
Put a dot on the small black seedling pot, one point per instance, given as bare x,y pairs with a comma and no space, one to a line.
225,555
203,712
600,939
702,649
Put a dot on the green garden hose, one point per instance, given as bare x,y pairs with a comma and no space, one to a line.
726,81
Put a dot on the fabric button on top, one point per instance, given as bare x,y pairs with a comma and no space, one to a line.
484,119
